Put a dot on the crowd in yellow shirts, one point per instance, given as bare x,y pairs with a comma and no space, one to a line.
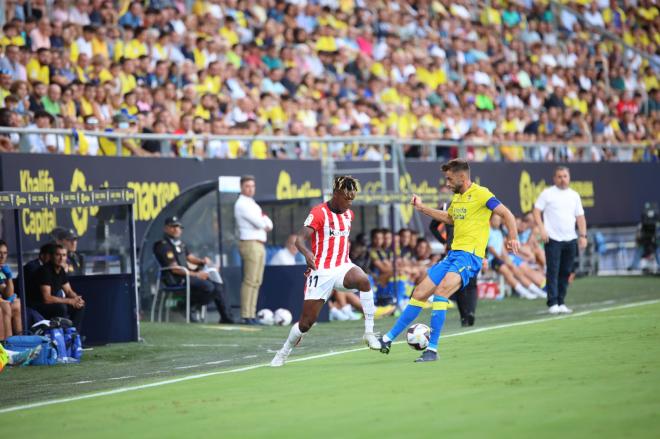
452,69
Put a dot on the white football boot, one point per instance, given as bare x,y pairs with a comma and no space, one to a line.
371,340
280,358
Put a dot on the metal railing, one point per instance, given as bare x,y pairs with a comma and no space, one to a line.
339,148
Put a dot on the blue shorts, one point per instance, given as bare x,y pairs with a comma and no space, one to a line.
457,261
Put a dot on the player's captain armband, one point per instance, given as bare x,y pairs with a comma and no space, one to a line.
309,220
492,203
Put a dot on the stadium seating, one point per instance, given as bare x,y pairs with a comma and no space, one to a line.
453,69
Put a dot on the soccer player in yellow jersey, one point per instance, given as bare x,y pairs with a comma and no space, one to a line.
470,211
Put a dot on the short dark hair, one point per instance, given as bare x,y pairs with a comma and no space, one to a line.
3,243
54,248
375,232
47,249
456,165
245,178
561,168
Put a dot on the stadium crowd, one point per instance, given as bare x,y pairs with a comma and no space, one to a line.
453,70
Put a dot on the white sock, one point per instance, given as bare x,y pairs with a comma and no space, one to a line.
10,356
536,290
368,309
347,309
386,338
293,338
524,292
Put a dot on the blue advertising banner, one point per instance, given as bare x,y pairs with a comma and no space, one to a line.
612,193
155,183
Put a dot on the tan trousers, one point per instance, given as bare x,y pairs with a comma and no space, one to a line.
253,254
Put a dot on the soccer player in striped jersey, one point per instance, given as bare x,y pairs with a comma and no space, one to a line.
471,208
328,227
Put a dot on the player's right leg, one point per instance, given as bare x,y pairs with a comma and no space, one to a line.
310,312
318,288
419,296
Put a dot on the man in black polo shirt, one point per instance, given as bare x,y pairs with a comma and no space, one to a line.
172,252
55,297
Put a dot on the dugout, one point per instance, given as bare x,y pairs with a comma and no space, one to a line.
104,221
207,213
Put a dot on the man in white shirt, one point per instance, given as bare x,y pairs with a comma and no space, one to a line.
252,226
44,143
562,209
287,255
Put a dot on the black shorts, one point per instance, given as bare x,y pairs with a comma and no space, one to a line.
496,263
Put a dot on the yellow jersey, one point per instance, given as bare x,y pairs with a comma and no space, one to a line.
471,213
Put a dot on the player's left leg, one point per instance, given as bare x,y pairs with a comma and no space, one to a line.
451,282
355,278
568,253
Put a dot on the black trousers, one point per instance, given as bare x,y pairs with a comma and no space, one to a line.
52,310
559,259
202,292
466,300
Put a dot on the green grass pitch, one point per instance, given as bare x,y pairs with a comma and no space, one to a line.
595,374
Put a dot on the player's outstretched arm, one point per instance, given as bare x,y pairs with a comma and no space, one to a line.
304,235
436,214
512,243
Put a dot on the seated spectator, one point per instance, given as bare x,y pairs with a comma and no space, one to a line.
381,266
8,294
55,297
500,261
31,283
289,255
8,141
6,329
173,253
342,305
43,143
31,268
68,238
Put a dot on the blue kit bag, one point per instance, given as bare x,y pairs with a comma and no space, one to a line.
48,354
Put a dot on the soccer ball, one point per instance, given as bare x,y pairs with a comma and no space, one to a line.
418,336
282,317
266,317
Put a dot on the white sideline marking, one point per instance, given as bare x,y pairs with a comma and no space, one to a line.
311,357
210,345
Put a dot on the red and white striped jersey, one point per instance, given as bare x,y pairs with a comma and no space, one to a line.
330,240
